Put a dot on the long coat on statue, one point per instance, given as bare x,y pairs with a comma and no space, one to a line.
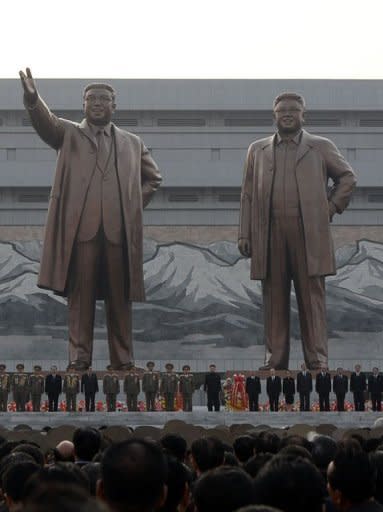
318,160
138,178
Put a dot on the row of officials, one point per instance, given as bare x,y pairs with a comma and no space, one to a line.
27,387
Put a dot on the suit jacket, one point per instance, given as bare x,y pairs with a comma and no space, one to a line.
375,385
318,159
288,386
304,382
273,387
253,385
138,178
53,385
323,383
212,383
340,384
358,382
89,383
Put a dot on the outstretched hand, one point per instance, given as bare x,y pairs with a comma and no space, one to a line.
29,85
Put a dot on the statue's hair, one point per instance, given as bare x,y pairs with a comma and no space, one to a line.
290,96
99,85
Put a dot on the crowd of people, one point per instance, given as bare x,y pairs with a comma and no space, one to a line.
170,391
258,471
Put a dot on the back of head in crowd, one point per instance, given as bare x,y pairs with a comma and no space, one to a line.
61,498
93,472
31,450
351,476
133,476
178,486
223,489
174,445
13,482
293,485
258,508
323,451
87,442
266,442
244,448
207,453
377,460
256,463
62,473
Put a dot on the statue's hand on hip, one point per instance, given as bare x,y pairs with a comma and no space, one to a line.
29,86
244,247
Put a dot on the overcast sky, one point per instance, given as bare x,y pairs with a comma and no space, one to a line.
193,39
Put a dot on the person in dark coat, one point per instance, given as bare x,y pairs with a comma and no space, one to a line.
340,388
53,388
375,388
89,386
304,387
273,389
323,388
288,388
253,390
213,388
358,386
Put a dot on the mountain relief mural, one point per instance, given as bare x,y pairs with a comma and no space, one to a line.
195,292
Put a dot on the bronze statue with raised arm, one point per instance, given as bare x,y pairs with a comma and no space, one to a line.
93,247
286,210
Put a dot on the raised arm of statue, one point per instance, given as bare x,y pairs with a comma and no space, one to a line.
29,86
48,126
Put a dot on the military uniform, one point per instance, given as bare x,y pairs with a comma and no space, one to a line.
187,389
111,388
20,388
150,381
5,387
169,385
132,388
36,386
71,389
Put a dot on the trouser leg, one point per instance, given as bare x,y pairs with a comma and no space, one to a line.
117,307
92,402
311,301
82,299
276,300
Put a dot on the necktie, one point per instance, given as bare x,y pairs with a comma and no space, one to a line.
102,151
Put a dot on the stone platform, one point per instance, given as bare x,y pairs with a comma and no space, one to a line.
200,416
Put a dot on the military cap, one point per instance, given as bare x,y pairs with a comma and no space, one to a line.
186,367
71,366
150,363
109,367
20,366
37,368
3,366
169,365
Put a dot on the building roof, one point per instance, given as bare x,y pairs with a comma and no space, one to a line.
66,94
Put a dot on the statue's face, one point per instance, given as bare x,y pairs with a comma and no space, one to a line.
99,106
289,116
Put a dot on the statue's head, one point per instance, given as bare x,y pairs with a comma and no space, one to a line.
289,112
99,103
